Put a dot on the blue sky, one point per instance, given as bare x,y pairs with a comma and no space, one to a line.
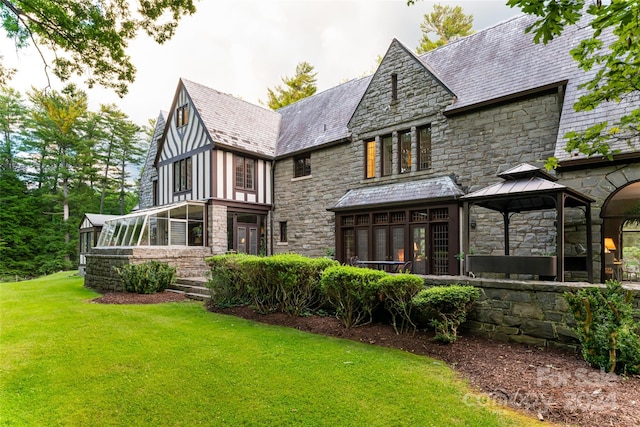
242,47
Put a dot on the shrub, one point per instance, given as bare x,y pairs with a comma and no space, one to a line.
296,281
227,280
606,328
397,292
353,292
447,306
146,278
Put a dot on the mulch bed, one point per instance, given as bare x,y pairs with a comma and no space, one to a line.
550,384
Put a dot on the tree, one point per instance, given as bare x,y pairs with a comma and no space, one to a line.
446,22
302,85
612,53
13,115
90,37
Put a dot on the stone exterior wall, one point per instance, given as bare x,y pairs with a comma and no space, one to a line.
100,274
149,173
218,228
531,312
303,202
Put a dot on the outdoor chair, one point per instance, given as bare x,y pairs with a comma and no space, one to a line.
404,268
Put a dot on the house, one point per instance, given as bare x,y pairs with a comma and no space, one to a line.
89,232
379,167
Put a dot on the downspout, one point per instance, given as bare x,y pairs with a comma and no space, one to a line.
273,204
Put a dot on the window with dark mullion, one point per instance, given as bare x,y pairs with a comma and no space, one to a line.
387,155
244,173
424,148
302,165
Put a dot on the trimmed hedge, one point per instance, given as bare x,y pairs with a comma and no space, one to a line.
227,280
447,306
354,293
606,328
146,278
289,282
397,292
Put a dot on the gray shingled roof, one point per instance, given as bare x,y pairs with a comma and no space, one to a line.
319,119
431,189
502,60
233,122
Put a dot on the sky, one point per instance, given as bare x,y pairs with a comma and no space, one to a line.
243,47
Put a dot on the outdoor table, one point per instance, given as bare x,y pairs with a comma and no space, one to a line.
382,265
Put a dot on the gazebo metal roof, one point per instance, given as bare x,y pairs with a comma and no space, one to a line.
527,188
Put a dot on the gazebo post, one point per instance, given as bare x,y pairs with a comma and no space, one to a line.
589,244
560,198
505,216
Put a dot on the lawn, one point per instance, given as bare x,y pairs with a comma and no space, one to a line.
65,361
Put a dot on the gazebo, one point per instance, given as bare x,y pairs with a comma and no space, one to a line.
526,188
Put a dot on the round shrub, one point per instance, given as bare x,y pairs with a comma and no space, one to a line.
146,278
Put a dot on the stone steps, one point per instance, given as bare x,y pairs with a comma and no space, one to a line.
192,287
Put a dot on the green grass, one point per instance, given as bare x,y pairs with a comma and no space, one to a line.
65,361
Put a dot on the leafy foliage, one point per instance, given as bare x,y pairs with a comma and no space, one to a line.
90,37
397,293
611,54
606,328
287,283
300,86
354,293
146,278
447,22
448,306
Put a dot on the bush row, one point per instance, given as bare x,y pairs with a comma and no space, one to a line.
146,278
289,283
295,284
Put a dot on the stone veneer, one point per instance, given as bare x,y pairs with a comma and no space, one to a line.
527,312
100,274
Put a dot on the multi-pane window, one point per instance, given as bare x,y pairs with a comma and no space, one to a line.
404,151
182,115
182,175
387,155
424,148
245,173
370,159
302,165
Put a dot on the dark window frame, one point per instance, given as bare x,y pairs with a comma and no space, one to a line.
182,175
182,115
423,164
302,165
387,158
370,164
244,173
401,152
283,232
394,88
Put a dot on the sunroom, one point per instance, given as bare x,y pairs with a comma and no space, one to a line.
180,224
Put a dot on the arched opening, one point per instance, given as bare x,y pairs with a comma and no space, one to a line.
621,234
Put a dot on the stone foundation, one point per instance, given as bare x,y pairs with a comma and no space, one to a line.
527,312
101,276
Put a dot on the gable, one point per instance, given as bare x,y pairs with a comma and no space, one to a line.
180,139
418,92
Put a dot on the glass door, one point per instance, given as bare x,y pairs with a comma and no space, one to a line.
419,249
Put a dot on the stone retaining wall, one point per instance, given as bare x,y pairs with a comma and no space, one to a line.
101,262
528,312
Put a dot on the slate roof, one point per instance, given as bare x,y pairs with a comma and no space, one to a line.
319,119
502,60
233,122
431,189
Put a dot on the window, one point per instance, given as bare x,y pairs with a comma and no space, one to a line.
394,87
387,155
245,173
283,231
405,151
182,115
371,159
424,148
182,175
302,165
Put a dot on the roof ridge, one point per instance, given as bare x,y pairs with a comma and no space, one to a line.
324,91
235,98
